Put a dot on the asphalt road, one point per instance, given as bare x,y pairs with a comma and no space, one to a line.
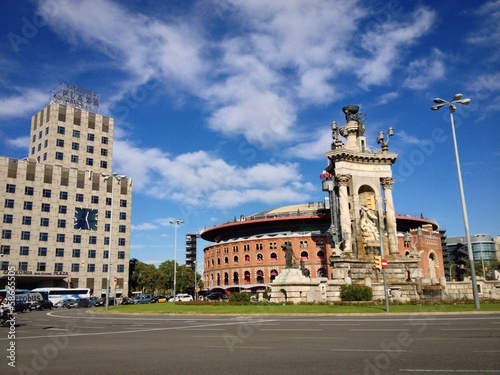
79,342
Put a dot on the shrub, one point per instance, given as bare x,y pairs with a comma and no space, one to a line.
355,293
239,298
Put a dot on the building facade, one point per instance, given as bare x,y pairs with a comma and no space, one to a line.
66,216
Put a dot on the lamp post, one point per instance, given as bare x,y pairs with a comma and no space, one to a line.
118,178
452,107
194,292
176,223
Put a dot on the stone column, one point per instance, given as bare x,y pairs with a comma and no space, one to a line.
390,214
345,216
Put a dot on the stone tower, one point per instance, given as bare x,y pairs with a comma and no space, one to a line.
360,181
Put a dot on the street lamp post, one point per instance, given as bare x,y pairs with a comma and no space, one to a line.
118,178
452,107
194,292
176,224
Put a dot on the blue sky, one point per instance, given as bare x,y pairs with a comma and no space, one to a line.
223,108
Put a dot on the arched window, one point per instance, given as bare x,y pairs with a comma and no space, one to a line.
236,278
218,261
247,276
226,260
247,258
218,279
235,259
321,255
304,255
304,244
274,273
226,278
322,272
260,277
260,257
274,257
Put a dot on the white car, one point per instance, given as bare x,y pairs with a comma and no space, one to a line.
181,297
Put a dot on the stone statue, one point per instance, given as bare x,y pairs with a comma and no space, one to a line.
289,255
367,224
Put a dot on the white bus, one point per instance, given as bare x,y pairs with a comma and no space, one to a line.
57,294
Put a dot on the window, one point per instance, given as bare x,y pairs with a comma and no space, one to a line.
90,137
106,241
10,188
122,228
89,161
91,253
121,241
105,254
106,227
79,197
45,143
45,207
60,237
94,199
44,222
59,156
46,193
59,252
4,266
120,268
5,249
23,266
43,236
75,146
108,201
61,223
28,190
24,250
121,255
26,220
28,206
76,133
104,140
75,267
74,158
123,216
6,234
63,209
104,164
9,203
92,240
25,235
77,238
123,203
90,149
58,267
90,267
76,253
104,268
8,218
60,142
61,130
42,251
63,195
104,152
41,266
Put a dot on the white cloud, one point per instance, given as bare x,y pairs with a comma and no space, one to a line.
24,104
385,44
424,72
20,142
200,179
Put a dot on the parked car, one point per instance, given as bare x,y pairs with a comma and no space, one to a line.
62,303
126,301
93,301
41,305
20,306
159,299
181,297
143,298
216,296
102,302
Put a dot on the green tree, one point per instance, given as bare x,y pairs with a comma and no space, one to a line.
144,277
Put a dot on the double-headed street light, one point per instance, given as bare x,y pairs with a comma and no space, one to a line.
118,178
176,224
452,106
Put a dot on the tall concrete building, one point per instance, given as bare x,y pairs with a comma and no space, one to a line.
66,215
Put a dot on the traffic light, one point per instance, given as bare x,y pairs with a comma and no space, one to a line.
378,262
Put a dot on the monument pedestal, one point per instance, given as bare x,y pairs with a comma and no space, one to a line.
291,286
